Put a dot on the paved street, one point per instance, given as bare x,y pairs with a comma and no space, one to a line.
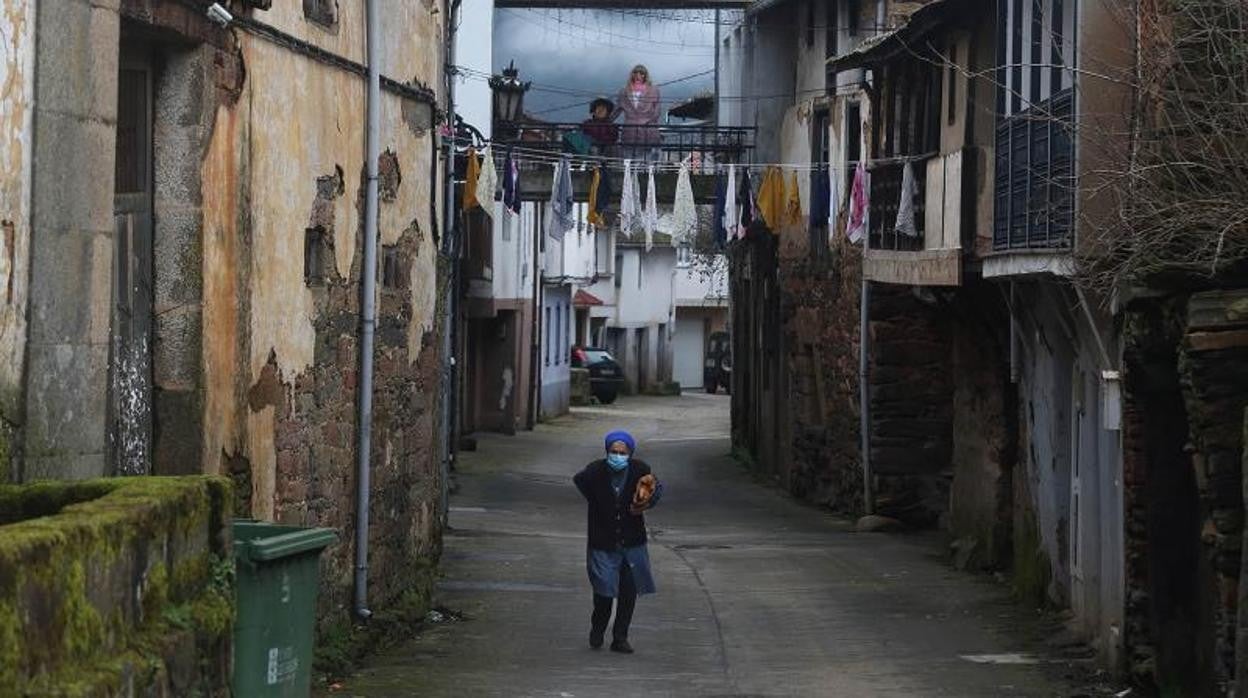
758,594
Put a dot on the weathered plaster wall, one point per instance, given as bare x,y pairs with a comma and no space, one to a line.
280,357
17,93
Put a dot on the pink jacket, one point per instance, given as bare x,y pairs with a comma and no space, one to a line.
636,116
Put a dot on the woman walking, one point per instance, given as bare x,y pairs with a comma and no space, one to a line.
638,101
618,489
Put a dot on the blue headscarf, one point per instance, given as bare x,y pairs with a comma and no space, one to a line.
621,435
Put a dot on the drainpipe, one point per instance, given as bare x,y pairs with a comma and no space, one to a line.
368,303
450,250
864,385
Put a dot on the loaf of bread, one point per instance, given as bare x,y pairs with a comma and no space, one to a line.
645,490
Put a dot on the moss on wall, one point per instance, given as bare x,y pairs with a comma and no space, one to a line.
88,600
1032,568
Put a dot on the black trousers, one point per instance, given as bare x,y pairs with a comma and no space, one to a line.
625,602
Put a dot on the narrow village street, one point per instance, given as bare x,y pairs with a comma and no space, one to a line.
758,594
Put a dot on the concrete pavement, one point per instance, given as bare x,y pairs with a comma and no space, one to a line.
759,595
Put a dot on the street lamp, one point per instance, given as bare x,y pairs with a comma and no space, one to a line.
508,97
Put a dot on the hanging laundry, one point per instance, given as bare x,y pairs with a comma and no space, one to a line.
793,204
562,206
599,192
771,199
835,192
731,217
599,209
746,198
684,210
487,182
820,197
905,207
471,174
511,183
859,204
718,231
630,201
650,215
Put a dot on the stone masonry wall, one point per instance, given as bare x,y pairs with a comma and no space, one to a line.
116,587
819,301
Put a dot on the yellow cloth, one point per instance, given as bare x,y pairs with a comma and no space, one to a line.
771,199
470,180
793,209
595,217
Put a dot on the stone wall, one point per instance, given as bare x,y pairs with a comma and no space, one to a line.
257,171
820,315
1186,391
116,587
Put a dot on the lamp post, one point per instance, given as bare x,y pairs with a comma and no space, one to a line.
508,100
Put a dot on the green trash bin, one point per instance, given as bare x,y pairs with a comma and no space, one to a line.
276,595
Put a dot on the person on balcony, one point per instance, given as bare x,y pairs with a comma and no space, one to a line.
638,102
618,489
600,128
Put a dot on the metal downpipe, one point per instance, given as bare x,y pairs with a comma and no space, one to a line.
368,303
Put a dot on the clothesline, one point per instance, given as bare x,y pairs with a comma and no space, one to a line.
539,156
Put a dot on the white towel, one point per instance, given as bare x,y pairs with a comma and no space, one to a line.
732,215
684,210
650,215
905,207
487,183
630,201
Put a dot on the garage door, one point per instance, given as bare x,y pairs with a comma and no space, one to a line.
688,350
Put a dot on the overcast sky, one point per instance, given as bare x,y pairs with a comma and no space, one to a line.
573,55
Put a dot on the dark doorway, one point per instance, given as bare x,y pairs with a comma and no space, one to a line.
130,363
1181,589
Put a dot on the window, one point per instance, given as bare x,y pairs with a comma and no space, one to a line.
953,83
853,13
1034,181
557,340
391,268
810,23
640,270
619,270
549,340
323,12
830,48
853,132
684,256
563,334
314,256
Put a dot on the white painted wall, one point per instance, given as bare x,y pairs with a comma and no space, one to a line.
513,251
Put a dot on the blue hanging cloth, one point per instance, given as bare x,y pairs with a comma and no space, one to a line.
717,220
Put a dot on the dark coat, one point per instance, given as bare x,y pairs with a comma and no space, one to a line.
611,524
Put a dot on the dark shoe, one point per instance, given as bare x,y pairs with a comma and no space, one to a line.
621,646
595,640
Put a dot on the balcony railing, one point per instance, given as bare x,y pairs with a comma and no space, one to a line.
932,256
1035,183
886,178
703,145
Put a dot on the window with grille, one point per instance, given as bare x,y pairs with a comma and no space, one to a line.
1035,146
323,12
314,256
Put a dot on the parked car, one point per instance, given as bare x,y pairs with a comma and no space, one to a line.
717,368
605,375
